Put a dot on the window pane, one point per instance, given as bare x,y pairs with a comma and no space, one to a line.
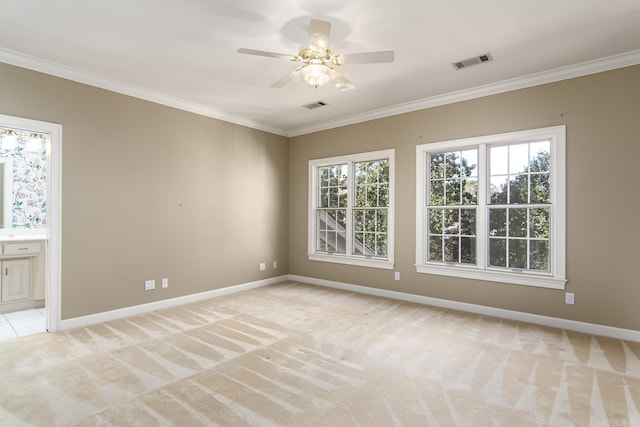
540,188
539,156
361,195
372,180
451,221
370,236
519,189
324,177
517,253
539,255
381,245
324,198
436,166
383,197
499,190
518,222
470,191
381,221
539,224
452,192
499,160
470,162
341,173
333,197
451,249
518,158
358,243
498,252
437,193
359,220
468,250
331,226
435,221
468,222
452,165
497,222
435,248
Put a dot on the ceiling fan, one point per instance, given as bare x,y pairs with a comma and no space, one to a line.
319,63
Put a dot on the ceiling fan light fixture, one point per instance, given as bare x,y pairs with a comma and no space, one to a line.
315,74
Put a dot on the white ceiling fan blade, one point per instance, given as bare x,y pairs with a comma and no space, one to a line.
263,53
366,57
319,35
286,79
340,81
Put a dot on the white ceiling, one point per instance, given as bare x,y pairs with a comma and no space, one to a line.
184,52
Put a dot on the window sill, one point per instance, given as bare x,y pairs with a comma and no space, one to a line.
357,261
539,281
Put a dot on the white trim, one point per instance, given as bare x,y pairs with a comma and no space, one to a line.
540,281
106,316
348,257
55,69
518,316
536,319
53,275
563,73
352,260
556,279
7,191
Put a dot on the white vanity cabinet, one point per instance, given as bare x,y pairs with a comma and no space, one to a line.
22,275
16,279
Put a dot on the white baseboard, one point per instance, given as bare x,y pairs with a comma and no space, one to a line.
554,322
79,322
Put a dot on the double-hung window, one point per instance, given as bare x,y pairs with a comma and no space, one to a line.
493,208
351,209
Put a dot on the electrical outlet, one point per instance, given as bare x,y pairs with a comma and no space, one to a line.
275,264
165,283
263,266
396,275
569,298
149,285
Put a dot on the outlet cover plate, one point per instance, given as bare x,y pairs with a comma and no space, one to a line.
149,285
165,283
263,266
569,298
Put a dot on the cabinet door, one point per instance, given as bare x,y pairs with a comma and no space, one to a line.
16,279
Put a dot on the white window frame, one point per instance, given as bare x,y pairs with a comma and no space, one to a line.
556,278
348,258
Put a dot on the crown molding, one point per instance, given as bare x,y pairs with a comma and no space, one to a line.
558,74
585,68
55,69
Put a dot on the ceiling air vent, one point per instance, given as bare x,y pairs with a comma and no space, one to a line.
472,61
315,105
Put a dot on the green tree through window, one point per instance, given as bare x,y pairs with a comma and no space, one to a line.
493,207
371,204
520,206
351,209
453,198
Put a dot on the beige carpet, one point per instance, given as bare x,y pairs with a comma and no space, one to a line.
300,355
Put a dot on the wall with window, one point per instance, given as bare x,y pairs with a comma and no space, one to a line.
149,191
600,113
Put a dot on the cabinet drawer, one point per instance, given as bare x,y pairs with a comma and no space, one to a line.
21,248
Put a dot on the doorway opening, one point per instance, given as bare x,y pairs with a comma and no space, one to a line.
30,215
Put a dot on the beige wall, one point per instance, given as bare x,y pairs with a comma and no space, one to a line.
152,192
602,114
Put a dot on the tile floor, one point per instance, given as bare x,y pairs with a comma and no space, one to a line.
22,323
